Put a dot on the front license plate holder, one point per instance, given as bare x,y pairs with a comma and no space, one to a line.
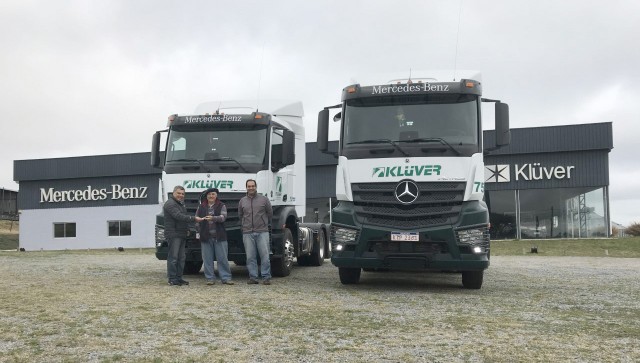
405,237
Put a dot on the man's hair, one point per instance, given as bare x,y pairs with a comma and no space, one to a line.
178,187
250,180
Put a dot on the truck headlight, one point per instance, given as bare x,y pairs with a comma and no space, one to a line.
342,235
474,237
159,236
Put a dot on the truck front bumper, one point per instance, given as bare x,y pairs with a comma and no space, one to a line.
463,246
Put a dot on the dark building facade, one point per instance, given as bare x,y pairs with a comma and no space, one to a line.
551,182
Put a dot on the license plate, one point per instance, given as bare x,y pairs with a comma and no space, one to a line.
405,236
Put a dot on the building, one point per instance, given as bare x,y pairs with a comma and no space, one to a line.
551,182
99,201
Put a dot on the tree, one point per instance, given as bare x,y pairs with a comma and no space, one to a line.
615,232
633,229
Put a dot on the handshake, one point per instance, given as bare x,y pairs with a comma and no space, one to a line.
207,218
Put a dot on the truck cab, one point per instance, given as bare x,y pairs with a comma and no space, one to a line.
410,177
222,145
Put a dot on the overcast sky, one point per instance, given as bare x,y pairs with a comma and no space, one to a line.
100,77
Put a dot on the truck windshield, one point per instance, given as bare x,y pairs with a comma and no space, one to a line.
415,123
231,150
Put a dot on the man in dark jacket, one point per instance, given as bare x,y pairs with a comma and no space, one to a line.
176,225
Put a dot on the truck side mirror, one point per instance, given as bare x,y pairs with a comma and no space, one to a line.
288,147
155,150
323,130
503,133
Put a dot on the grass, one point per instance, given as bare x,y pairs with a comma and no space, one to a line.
8,235
110,306
611,247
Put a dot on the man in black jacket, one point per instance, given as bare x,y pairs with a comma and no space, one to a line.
176,225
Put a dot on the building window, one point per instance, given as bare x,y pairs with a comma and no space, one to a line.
119,228
64,230
502,214
562,213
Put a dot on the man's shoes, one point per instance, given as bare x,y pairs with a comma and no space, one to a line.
227,282
184,282
266,282
252,282
174,283
211,282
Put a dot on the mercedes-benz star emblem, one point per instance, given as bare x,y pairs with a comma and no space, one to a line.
407,191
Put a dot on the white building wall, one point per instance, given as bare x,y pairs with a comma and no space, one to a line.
36,227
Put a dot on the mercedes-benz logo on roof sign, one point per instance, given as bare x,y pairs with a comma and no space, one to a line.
407,191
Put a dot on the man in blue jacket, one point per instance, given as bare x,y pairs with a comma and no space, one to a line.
176,226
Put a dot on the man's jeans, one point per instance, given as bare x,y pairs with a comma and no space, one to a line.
254,244
175,259
216,250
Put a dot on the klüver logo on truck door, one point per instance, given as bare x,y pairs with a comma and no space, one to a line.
203,184
406,170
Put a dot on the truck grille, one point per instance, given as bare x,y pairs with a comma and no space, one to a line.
191,201
439,203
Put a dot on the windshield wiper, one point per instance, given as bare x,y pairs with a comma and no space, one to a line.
434,139
227,158
196,160
377,141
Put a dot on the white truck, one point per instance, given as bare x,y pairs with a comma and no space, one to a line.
410,176
221,146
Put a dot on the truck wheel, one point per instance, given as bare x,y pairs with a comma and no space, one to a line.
472,279
281,266
349,275
317,255
192,267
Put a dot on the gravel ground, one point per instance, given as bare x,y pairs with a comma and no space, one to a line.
109,306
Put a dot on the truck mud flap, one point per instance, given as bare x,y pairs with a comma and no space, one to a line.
406,263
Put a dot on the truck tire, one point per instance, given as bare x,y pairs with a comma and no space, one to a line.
304,260
472,279
281,266
349,275
317,254
192,267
